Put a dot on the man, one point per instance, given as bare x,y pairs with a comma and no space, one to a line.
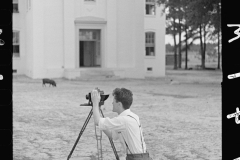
125,127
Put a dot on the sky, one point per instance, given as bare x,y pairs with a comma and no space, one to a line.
168,39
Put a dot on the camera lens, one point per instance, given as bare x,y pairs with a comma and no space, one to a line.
88,96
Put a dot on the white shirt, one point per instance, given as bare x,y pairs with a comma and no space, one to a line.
127,127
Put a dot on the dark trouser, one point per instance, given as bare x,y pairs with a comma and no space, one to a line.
140,156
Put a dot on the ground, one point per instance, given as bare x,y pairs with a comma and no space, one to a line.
180,115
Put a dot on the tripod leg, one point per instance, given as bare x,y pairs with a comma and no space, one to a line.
112,144
98,134
101,153
81,132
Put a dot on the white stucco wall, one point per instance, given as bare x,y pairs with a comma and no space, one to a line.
90,15
53,38
92,9
69,34
50,45
29,43
111,34
134,55
19,25
125,38
120,34
140,39
156,24
38,38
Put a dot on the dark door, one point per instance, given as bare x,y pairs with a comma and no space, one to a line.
81,57
87,54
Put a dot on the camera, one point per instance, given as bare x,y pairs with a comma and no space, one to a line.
102,99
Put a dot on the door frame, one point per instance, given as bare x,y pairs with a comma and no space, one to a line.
99,25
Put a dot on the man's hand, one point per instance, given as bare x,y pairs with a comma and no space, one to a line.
95,96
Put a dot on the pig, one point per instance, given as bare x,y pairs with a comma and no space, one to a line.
49,81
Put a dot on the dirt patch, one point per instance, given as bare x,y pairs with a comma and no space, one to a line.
177,119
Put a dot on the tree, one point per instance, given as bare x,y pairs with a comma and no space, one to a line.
198,17
180,17
189,35
194,15
216,23
174,27
190,32
204,14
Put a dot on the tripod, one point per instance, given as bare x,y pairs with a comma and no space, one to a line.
84,126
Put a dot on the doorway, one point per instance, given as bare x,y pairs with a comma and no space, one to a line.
89,44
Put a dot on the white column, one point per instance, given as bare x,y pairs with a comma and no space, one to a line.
38,38
111,35
69,34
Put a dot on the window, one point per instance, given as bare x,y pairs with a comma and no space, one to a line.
16,44
149,69
150,43
150,7
89,34
15,6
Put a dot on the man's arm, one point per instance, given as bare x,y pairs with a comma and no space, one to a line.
96,114
108,133
95,96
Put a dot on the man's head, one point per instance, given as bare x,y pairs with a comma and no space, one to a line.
122,99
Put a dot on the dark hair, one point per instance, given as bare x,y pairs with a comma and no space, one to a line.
124,96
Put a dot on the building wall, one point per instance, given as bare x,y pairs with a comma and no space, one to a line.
38,38
137,29
50,45
130,38
69,32
29,41
111,34
156,24
19,25
92,9
125,38
91,15
121,33
53,38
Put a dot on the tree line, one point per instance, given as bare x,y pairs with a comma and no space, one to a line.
192,19
194,47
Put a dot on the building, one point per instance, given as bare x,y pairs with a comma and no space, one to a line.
64,38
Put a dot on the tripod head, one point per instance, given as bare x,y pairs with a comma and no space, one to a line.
102,99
